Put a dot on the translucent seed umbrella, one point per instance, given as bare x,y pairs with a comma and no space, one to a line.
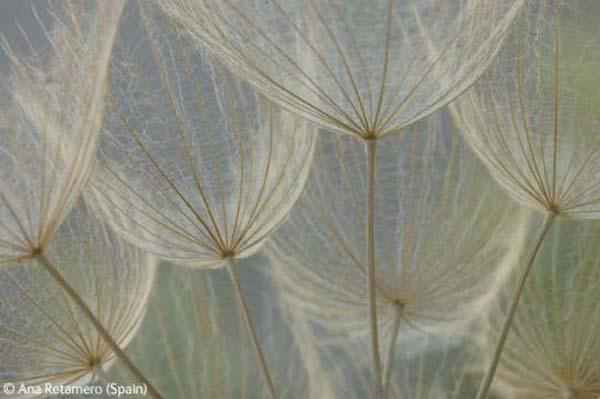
195,166
442,369
49,135
194,344
554,347
51,125
445,236
44,337
533,119
360,67
439,366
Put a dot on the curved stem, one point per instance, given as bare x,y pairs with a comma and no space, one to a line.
489,377
100,374
87,312
389,364
260,357
371,276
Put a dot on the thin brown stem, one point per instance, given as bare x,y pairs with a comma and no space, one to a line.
260,357
489,377
87,312
100,374
389,363
371,276
570,393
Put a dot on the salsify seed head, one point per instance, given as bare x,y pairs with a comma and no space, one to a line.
51,122
533,116
194,344
444,235
44,337
446,368
553,349
361,67
194,165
